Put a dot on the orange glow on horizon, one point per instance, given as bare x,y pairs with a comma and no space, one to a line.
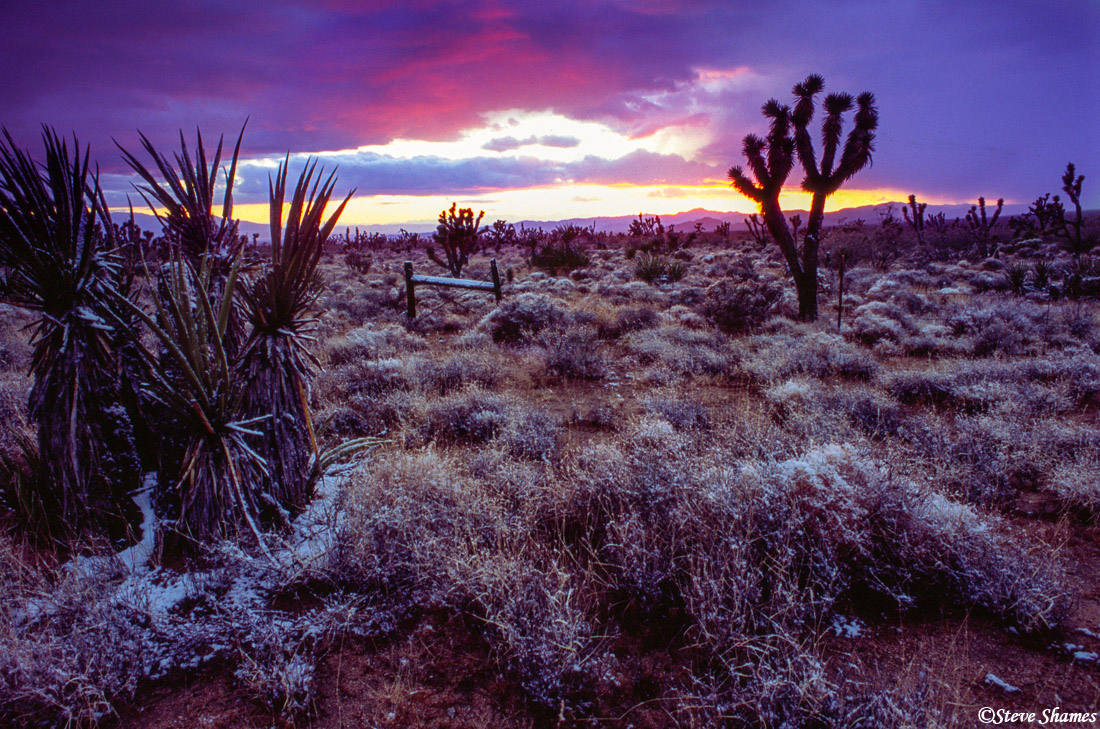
562,202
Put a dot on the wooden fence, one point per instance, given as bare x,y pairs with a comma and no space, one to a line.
411,282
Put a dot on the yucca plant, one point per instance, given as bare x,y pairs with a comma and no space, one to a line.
276,363
184,201
54,261
214,485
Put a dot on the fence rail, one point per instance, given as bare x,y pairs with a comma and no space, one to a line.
412,281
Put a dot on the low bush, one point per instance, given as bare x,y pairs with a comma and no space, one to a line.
471,416
518,319
742,302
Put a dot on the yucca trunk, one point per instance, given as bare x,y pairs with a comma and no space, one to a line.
275,364
56,264
277,387
85,436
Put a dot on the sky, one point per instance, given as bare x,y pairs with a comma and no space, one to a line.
556,110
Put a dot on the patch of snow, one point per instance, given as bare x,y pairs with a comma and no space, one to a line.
992,681
1079,654
847,627
137,557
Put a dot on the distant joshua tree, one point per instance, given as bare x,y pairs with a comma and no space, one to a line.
458,234
771,159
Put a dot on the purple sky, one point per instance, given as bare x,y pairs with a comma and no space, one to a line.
516,103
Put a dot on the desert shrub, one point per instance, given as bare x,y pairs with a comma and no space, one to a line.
471,416
563,250
538,625
371,343
743,301
359,261
69,661
876,320
364,415
377,377
822,355
767,358
531,434
454,372
683,414
998,336
918,387
683,352
367,304
626,320
745,545
573,354
1076,485
518,319
1010,328
870,412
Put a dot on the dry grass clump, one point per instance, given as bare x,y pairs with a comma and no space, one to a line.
775,357
67,651
536,612
425,535
532,434
370,342
672,351
751,544
625,320
876,320
15,351
471,416
683,414
451,373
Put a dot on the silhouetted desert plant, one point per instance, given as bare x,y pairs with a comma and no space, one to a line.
458,234
55,263
275,362
981,227
916,220
771,172
185,193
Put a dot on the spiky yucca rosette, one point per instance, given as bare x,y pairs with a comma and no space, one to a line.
216,484
54,262
275,363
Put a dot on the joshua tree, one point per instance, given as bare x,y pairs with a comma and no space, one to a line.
1072,231
917,219
826,178
771,159
53,261
981,226
458,234
275,363
757,230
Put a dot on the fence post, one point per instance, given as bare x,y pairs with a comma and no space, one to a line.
496,278
410,294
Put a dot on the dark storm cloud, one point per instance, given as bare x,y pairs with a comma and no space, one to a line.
976,96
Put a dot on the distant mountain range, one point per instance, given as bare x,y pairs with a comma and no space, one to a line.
684,221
